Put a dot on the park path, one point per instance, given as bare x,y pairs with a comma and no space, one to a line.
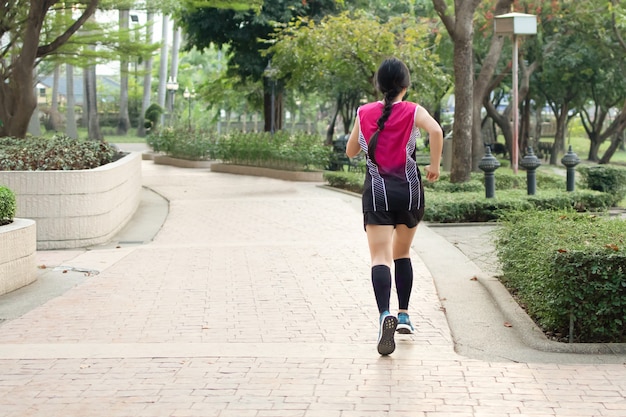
254,299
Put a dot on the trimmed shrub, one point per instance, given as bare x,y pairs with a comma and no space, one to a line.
58,153
351,181
567,269
474,207
7,206
607,179
282,150
195,145
152,116
465,202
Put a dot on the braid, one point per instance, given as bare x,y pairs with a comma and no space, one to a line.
371,149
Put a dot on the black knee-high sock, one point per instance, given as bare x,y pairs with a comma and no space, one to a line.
404,281
381,280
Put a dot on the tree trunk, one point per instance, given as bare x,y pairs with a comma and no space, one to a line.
616,129
91,102
275,90
594,147
123,123
163,66
559,138
71,129
616,142
171,96
55,116
330,131
461,30
502,120
147,79
463,111
482,86
525,141
16,108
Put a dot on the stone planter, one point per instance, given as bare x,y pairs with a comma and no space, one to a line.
179,163
18,247
312,176
78,208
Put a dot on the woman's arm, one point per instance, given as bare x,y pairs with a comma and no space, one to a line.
424,120
352,147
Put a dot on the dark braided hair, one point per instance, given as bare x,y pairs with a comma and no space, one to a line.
392,77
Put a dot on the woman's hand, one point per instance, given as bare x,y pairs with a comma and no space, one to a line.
432,174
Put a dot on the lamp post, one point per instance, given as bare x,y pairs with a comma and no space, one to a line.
171,86
270,73
515,24
188,95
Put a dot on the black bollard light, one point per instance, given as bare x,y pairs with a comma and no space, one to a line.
570,160
488,164
531,163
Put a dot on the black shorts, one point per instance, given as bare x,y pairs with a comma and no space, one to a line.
410,218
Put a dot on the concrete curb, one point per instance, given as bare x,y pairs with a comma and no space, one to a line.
313,176
532,334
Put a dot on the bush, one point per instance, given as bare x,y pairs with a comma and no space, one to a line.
351,181
195,145
57,153
474,207
7,206
152,116
567,268
607,179
282,150
448,202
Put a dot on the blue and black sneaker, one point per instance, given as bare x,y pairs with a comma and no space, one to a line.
404,324
388,323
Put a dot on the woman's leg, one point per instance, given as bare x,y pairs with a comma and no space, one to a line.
380,239
402,240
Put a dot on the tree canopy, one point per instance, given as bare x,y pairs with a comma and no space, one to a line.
338,57
246,33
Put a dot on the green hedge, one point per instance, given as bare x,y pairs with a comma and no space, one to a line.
7,206
195,145
474,207
351,181
58,153
465,202
282,150
608,179
567,269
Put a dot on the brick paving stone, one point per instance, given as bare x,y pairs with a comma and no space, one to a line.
254,299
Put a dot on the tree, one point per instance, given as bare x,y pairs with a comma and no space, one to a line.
244,32
578,66
21,25
485,66
459,24
337,58
123,123
606,50
147,77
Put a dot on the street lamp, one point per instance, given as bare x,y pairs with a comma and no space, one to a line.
188,95
515,24
271,73
171,86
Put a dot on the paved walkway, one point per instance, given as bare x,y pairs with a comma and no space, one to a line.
254,299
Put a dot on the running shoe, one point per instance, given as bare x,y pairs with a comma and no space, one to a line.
404,324
388,323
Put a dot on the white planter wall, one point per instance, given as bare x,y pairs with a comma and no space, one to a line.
77,208
18,247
